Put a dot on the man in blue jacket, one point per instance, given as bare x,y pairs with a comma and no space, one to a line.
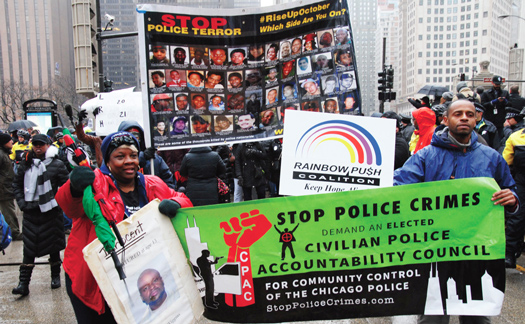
161,169
455,153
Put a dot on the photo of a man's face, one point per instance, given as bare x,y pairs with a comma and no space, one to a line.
151,288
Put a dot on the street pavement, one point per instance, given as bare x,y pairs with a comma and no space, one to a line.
46,305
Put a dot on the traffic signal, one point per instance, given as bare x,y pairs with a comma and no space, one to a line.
390,78
382,81
462,77
85,46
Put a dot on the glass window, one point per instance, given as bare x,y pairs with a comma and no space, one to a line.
484,32
484,50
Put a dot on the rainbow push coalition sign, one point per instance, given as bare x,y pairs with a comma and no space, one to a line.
330,153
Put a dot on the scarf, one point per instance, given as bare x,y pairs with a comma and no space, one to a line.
455,142
37,185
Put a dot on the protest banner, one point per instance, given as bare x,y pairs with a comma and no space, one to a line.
428,248
159,286
112,108
331,153
228,75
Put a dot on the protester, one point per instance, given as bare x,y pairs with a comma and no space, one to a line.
454,154
7,175
401,151
418,103
39,176
250,163
125,190
147,154
202,166
407,129
424,123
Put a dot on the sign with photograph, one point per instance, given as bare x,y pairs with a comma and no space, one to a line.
159,285
228,75
434,248
330,153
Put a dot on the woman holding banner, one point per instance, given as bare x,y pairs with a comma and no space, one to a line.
124,191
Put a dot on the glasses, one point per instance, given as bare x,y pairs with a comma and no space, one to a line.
39,143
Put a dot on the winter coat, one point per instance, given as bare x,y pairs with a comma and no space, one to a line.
498,118
401,152
487,130
442,160
7,174
43,233
507,131
202,166
249,157
426,123
407,132
161,169
84,285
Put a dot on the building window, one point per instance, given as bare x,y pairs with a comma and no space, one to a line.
420,71
420,20
485,14
420,54
484,50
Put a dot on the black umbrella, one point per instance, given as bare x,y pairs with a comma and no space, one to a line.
20,124
433,90
52,130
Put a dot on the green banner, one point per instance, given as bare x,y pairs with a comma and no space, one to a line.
389,245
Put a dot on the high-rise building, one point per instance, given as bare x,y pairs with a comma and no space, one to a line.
363,17
121,55
36,41
388,35
442,39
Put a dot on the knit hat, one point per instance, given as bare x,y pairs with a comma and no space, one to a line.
4,139
115,140
479,107
461,85
448,96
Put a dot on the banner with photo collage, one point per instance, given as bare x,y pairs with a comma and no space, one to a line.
215,76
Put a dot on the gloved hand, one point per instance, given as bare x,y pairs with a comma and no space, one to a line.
240,182
97,111
149,153
82,115
81,177
494,102
169,207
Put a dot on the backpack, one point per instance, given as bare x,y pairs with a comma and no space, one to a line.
5,234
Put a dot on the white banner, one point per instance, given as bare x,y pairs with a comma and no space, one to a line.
330,153
159,287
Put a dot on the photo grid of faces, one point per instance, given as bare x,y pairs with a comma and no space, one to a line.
199,90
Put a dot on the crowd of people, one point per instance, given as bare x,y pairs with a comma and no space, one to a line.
461,135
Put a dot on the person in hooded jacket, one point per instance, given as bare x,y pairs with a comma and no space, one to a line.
125,191
455,153
407,129
401,151
425,123
146,154
250,169
40,174
202,166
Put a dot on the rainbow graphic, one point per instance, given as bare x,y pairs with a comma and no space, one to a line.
361,145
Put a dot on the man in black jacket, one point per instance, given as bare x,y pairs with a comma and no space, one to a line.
495,100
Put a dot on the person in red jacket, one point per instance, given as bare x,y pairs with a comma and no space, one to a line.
125,191
425,123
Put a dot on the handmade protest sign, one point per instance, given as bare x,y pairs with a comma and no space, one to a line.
159,286
228,75
428,248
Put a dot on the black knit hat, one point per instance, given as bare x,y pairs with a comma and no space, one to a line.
4,138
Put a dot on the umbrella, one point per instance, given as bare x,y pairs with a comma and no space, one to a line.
19,124
51,131
433,90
